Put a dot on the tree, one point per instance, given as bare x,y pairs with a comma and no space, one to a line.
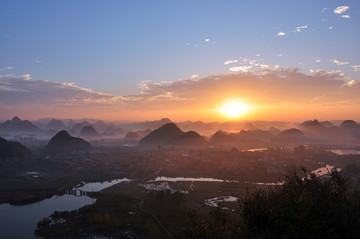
305,206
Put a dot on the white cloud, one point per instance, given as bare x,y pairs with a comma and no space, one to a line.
353,83
207,40
300,28
263,66
324,9
332,74
330,28
345,16
26,77
317,60
281,34
144,84
38,62
324,20
230,62
356,67
339,63
278,54
341,9
239,68
194,76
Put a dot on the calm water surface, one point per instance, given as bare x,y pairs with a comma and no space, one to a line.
344,151
19,222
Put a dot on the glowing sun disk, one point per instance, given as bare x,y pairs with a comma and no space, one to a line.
234,108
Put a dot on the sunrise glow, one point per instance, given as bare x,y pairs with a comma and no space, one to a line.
234,108
283,68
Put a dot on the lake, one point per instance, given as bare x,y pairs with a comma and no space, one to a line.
182,179
98,186
344,151
26,217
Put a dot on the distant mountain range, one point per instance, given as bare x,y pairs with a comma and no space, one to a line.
227,133
55,124
18,125
88,131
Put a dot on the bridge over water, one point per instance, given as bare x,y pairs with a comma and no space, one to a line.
76,192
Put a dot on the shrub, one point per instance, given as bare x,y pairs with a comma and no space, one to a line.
305,206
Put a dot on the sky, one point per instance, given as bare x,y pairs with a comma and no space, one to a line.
185,60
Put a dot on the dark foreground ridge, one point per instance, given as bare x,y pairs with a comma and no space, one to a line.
305,206
12,149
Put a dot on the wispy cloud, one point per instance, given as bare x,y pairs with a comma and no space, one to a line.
6,68
230,62
325,9
341,9
339,63
207,40
300,28
279,34
4,36
52,93
38,62
345,16
330,28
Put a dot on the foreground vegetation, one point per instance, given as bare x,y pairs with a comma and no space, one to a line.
305,206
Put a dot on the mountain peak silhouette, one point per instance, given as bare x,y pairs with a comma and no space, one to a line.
55,124
16,119
88,131
18,125
310,123
349,124
162,135
63,142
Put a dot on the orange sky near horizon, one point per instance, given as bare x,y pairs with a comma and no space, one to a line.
278,95
287,113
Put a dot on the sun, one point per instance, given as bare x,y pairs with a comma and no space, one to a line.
234,108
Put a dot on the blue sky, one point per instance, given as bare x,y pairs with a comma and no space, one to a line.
110,46
113,46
